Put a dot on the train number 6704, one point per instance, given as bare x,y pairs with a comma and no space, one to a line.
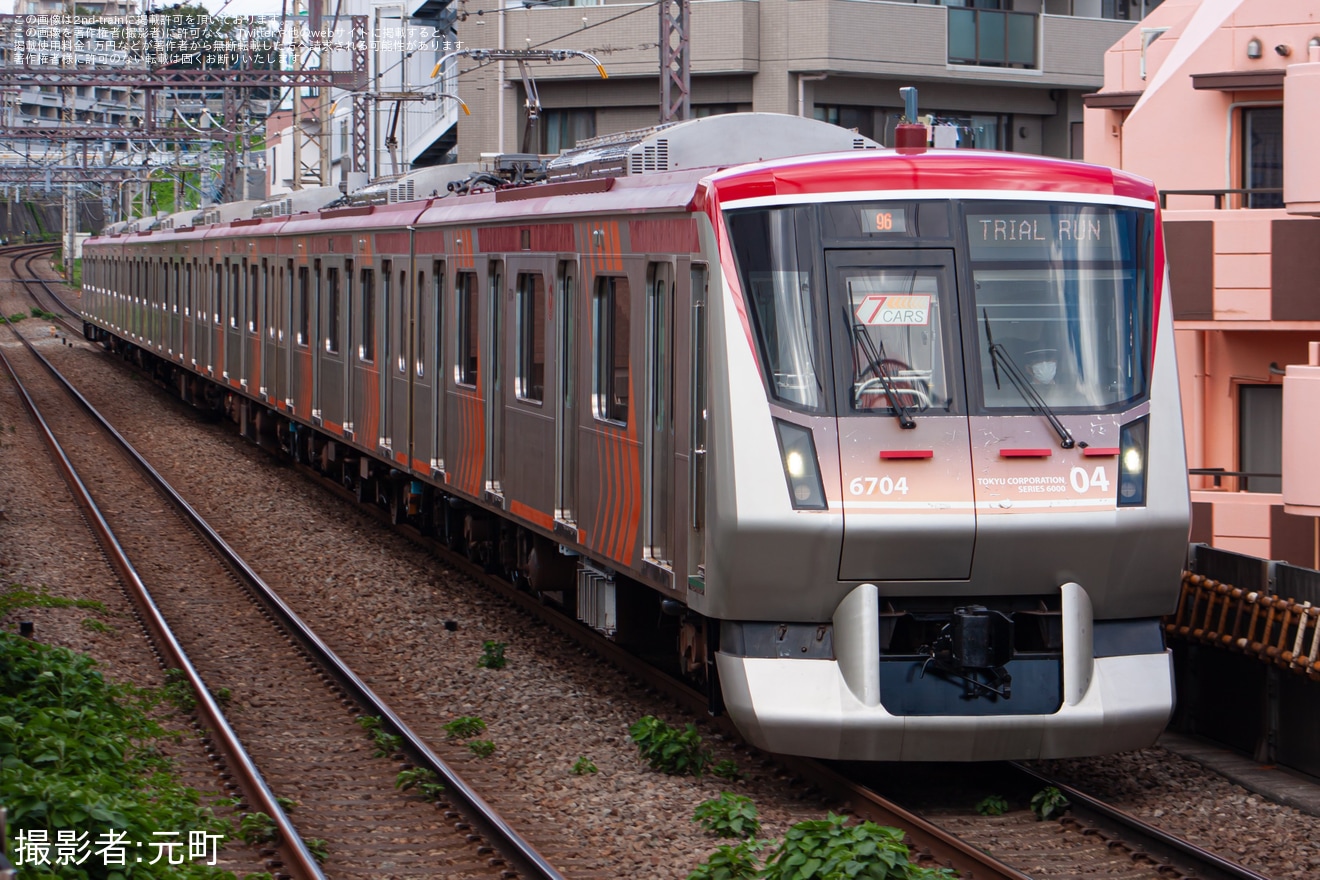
883,485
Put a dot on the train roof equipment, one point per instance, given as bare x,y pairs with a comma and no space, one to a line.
712,141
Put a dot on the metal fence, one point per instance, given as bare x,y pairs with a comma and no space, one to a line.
1245,640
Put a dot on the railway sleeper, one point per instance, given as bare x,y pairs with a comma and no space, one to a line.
627,611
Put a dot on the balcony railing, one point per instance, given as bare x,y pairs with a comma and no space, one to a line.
1265,482
992,38
1252,197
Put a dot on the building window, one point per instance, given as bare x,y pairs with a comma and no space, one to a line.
531,337
1262,155
465,293
1260,437
983,35
962,131
701,111
562,129
859,119
611,322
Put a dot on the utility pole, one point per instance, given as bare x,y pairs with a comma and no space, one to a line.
675,61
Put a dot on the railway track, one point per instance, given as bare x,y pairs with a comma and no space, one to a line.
291,691
1077,848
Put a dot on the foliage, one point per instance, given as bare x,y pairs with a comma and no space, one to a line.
19,596
422,780
727,769
492,655
731,862
319,849
77,753
482,748
95,625
994,805
830,849
729,815
256,828
668,749
1048,801
178,691
387,744
465,727
583,765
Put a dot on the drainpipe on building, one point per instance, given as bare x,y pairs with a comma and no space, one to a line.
802,92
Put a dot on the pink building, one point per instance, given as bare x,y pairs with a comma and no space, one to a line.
1218,101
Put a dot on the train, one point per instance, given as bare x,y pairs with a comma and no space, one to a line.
881,447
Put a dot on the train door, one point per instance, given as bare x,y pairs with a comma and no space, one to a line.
329,347
495,380
279,313
421,441
365,387
348,356
659,439
190,310
566,416
464,439
176,318
904,442
385,346
401,369
696,540
252,349
234,323
299,395
270,307
315,344
436,303
528,418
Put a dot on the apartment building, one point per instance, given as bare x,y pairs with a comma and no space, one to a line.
1215,100
1002,74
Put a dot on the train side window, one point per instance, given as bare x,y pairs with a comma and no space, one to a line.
176,291
252,298
235,282
304,319
367,344
188,289
420,323
332,310
465,290
402,359
438,301
216,303
530,310
611,323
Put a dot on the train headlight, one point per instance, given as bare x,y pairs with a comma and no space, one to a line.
798,453
1132,463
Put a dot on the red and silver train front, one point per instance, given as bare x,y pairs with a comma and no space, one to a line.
947,498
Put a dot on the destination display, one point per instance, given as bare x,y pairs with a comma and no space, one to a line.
1072,232
884,219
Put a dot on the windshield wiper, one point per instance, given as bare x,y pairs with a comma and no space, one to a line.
876,364
1000,356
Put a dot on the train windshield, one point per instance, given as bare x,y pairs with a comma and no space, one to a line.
1058,306
1062,294
894,314
776,258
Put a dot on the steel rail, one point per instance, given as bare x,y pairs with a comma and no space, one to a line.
925,837
522,854
1182,854
254,787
